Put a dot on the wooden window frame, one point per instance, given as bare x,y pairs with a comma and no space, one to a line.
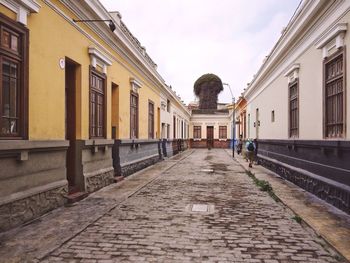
290,85
340,52
150,127
222,132
197,130
21,58
103,76
137,115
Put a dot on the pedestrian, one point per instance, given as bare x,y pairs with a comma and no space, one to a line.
239,145
256,151
250,147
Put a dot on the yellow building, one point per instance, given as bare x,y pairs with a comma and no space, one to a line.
73,94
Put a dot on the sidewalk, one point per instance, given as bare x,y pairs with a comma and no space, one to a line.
331,224
32,241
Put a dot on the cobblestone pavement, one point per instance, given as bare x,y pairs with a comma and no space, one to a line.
158,224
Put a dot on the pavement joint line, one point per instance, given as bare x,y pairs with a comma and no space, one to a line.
137,190
308,224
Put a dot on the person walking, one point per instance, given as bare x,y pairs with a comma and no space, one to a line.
256,151
239,145
250,147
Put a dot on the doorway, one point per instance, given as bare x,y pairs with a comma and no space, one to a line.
257,124
210,137
70,122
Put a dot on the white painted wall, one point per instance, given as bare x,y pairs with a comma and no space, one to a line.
270,92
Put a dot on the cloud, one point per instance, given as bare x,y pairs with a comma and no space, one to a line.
190,38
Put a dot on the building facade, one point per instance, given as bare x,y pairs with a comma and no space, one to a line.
298,102
80,104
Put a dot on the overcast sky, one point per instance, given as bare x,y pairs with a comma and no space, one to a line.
189,38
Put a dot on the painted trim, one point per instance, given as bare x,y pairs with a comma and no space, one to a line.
22,8
331,34
98,58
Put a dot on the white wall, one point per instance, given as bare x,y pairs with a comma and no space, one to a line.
271,91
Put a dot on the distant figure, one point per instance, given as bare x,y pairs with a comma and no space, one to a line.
256,151
239,145
250,147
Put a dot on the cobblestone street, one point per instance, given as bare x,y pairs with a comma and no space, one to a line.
166,222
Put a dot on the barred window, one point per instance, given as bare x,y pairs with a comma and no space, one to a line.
134,122
197,132
150,120
97,104
222,132
294,109
13,84
334,95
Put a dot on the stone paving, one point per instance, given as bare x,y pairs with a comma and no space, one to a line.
158,224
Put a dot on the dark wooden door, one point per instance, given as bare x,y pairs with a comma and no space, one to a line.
210,136
70,88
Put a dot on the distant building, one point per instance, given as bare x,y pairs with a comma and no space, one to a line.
210,125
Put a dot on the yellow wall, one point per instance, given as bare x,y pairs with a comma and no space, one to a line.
7,12
53,38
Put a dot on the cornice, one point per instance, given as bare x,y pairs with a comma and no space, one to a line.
103,31
282,58
303,15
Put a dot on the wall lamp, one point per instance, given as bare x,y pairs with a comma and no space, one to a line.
111,25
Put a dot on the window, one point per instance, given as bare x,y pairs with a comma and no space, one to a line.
197,132
97,104
168,106
293,109
150,120
273,116
222,132
134,122
13,84
334,95
174,127
182,129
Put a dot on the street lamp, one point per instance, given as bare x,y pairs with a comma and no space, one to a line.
233,120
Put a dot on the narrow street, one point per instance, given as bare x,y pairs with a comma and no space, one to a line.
203,208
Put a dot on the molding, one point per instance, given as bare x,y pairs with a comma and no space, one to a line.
334,38
292,73
98,58
135,85
331,34
262,80
10,145
22,8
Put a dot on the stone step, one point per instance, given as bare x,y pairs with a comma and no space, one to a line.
117,179
75,197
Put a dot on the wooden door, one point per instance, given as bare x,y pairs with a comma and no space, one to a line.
70,129
210,137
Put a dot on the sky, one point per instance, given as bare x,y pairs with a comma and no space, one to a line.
189,38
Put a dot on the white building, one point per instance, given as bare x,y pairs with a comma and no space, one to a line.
298,102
